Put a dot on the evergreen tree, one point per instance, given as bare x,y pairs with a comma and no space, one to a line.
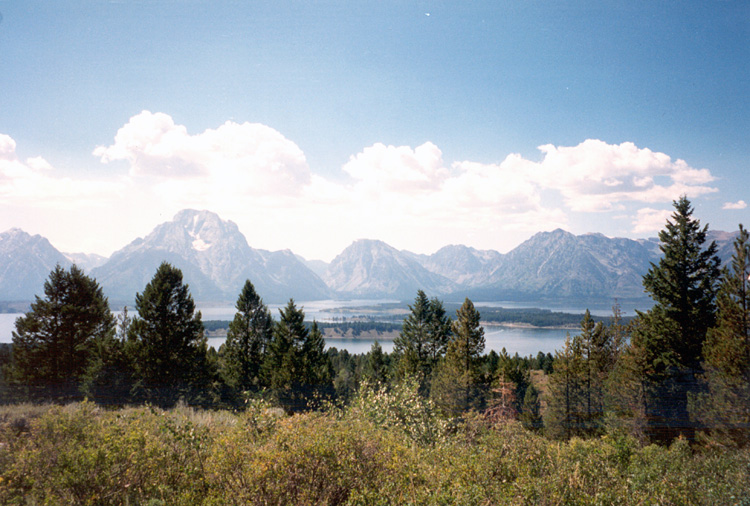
376,366
423,338
512,380
54,342
566,404
669,337
684,282
282,368
316,364
168,343
248,337
439,329
467,345
597,356
455,387
531,417
297,367
725,408
109,377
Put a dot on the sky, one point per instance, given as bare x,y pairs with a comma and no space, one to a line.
312,124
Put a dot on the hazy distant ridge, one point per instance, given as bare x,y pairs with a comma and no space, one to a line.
216,259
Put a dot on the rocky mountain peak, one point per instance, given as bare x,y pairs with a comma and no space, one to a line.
25,262
215,258
372,268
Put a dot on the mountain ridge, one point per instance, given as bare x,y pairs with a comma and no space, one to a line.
216,259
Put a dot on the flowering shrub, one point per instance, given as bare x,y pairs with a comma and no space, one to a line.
400,408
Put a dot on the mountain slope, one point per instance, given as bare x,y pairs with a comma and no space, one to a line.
85,261
461,264
561,265
215,259
25,264
373,269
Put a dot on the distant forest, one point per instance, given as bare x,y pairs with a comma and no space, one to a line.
527,316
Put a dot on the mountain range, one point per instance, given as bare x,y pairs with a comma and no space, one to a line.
216,259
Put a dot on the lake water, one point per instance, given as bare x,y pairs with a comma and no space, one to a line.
524,341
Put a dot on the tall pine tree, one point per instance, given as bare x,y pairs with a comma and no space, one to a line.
725,408
247,341
567,408
423,338
670,337
54,342
168,343
296,367
455,387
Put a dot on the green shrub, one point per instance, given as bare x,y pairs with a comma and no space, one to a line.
387,447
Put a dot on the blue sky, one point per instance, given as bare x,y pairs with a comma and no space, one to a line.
312,124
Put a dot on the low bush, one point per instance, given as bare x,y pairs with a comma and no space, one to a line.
385,448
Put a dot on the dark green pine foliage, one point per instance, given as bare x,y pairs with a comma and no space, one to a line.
512,373
440,331
109,377
684,282
296,368
725,408
577,400
375,369
565,415
669,338
168,343
598,360
282,367
456,383
54,342
467,345
317,368
423,338
247,342
530,416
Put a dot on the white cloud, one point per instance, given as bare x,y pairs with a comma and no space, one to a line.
7,147
249,156
407,196
400,169
649,220
596,176
38,164
740,204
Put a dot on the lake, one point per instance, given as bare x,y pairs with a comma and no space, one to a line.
524,341
521,340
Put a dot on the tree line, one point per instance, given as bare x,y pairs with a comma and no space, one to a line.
680,369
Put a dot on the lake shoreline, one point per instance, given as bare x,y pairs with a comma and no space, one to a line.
334,334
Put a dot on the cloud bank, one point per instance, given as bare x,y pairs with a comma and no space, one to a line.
734,206
408,196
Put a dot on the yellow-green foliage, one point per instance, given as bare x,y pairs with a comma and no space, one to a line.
361,455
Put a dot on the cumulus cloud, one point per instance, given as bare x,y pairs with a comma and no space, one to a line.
649,220
7,147
250,156
398,168
734,206
251,169
409,196
596,176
